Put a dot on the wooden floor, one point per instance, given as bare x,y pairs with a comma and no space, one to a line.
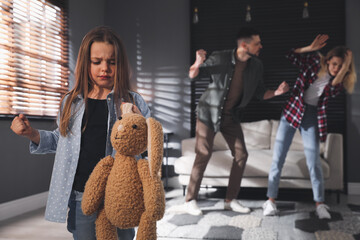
32,226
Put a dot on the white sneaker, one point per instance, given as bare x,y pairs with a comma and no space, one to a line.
190,207
269,208
322,211
235,206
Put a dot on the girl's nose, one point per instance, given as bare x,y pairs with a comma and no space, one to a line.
105,67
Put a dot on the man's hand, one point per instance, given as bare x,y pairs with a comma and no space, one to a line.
283,88
200,58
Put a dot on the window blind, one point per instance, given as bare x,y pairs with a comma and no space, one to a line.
33,57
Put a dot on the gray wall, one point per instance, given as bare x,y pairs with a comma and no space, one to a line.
22,174
83,16
353,101
157,40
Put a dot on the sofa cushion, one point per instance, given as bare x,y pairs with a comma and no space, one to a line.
296,144
188,147
258,165
218,166
257,134
220,143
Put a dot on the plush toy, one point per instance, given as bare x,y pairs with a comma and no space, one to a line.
126,192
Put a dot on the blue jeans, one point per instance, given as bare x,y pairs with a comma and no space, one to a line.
83,227
309,133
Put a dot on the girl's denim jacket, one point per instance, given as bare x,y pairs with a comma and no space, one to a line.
67,151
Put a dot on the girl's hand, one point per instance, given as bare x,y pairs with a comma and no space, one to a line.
21,126
129,108
319,42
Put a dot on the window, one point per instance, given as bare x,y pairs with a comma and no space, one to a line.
33,57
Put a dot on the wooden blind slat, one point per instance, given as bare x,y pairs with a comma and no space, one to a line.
34,56
26,83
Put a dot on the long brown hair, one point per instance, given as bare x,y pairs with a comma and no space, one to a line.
350,77
83,83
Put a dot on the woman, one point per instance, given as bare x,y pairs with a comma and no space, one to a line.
86,117
320,78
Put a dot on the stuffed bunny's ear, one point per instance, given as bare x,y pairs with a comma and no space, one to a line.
155,146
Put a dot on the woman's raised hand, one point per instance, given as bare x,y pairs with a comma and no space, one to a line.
347,61
319,42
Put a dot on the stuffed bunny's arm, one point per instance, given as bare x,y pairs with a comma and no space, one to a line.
94,191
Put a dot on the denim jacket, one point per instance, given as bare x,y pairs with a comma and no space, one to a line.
67,151
220,65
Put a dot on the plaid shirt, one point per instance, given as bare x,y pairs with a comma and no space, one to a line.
309,65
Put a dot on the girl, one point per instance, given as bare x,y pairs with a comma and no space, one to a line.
86,117
320,78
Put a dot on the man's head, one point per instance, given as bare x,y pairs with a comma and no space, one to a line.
248,40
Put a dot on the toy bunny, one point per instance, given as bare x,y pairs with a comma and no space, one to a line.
126,192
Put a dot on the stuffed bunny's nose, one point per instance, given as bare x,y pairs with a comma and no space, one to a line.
120,128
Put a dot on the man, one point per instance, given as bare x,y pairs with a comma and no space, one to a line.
236,78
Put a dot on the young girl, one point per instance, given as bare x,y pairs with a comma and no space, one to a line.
86,117
320,78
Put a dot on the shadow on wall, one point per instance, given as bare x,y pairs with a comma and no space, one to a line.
167,91
156,38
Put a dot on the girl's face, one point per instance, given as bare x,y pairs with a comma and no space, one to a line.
334,65
102,66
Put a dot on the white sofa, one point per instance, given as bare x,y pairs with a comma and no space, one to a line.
259,139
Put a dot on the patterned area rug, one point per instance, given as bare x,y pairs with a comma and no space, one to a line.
296,220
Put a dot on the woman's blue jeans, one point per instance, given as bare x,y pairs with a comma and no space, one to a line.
82,227
310,137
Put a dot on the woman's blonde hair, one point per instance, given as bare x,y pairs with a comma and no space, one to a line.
350,77
84,84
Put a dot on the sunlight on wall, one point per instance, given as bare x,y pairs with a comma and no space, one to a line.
165,89
162,81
